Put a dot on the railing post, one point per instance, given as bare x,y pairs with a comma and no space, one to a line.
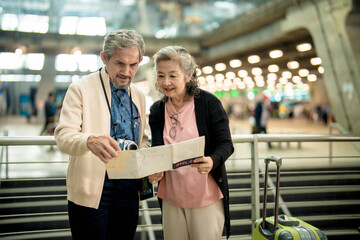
6,162
330,144
146,220
255,194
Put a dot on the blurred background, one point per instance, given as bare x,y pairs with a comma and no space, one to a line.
302,55
299,58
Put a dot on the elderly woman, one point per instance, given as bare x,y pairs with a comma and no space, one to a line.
194,200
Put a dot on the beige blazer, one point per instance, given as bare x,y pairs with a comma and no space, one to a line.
85,112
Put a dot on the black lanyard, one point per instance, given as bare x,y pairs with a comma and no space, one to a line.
111,118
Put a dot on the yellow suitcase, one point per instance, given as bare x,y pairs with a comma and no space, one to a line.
282,227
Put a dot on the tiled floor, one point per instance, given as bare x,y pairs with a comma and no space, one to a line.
50,162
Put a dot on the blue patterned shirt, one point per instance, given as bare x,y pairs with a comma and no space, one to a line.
121,115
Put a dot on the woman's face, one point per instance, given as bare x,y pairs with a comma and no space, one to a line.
171,79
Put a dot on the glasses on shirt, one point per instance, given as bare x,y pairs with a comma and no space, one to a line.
173,121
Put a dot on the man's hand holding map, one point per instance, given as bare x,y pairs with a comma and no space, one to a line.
147,161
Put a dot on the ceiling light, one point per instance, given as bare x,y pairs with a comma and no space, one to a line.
235,63
289,85
306,87
273,68
279,86
247,80
230,75
210,79
219,77
303,72
321,70
256,71
250,95
250,84
287,74
259,78
236,80
283,80
272,76
260,83
296,79
220,67
311,77
202,80
227,82
77,52
198,72
207,70
219,85
242,73
270,81
276,53
303,47
315,61
293,65
253,59
18,51
241,85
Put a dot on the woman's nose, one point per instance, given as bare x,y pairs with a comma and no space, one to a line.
166,81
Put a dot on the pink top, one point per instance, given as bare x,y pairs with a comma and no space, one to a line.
185,187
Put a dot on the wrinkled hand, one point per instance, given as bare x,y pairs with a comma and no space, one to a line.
154,178
103,146
203,164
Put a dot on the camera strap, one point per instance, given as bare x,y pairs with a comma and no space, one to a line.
111,118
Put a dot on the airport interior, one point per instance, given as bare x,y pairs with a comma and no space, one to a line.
303,56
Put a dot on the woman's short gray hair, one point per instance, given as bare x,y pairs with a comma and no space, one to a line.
186,61
123,39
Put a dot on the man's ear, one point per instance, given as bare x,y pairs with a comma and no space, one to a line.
104,57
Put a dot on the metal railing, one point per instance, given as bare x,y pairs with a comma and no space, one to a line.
340,128
256,168
255,139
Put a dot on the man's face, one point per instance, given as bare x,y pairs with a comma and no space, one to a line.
122,66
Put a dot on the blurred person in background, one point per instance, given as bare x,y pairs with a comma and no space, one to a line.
98,110
50,113
194,200
262,116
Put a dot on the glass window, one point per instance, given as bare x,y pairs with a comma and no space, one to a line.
72,62
33,23
20,78
68,25
9,60
35,61
91,26
9,21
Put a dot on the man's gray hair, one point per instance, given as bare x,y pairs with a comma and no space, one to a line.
123,39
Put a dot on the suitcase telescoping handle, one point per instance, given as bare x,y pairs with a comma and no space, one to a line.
278,162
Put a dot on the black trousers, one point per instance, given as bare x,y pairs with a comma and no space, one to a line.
117,215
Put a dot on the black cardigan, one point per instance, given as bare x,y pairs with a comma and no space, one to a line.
213,123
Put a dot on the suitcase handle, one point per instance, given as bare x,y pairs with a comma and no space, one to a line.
286,222
278,161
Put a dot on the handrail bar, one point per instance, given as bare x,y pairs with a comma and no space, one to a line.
3,148
253,139
237,138
342,131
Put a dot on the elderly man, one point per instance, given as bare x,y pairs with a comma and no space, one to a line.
99,110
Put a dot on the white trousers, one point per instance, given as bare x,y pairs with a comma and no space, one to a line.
204,223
